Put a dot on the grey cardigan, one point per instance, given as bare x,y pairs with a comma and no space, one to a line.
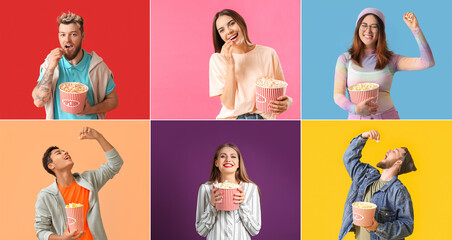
50,206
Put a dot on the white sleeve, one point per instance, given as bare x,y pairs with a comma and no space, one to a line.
217,75
206,214
250,210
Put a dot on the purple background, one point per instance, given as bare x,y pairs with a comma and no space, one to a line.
181,157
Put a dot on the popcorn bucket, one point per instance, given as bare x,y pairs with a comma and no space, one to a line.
75,218
265,95
227,203
363,213
367,91
72,97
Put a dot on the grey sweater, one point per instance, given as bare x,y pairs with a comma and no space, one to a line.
50,206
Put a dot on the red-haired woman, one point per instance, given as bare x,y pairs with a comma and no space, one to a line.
228,166
369,60
236,65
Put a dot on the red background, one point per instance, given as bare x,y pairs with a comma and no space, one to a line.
116,30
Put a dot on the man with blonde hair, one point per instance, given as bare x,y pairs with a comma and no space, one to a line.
70,63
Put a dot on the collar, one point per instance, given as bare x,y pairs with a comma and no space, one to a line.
53,189
369,51
80,66
388,184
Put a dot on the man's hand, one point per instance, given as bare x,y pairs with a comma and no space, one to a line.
67,235
87,109
89,133
372,134
55,56
373,227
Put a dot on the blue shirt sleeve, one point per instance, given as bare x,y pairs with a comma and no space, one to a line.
110,85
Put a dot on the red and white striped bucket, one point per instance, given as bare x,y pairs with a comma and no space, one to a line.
264,96
363,216
357,96
75,218
72,102
227,202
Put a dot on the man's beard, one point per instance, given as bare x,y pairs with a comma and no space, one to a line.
73,54
384,165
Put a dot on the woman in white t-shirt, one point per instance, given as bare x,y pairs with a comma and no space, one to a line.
228,167
236,65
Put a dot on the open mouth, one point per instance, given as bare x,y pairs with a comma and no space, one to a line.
233,37
368,36
67,157
68,48
228,165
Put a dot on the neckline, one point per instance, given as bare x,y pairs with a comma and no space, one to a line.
242,54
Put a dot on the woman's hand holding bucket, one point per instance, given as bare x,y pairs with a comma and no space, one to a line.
281,105
366,107
215,197
239,197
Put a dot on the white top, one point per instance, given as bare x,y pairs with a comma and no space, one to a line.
260,62
228,225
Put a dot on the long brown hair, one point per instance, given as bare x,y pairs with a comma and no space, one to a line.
357,49
240,174
217,41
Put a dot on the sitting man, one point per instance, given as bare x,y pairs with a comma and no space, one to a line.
70,63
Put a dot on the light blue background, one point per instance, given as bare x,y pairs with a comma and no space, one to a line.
327,32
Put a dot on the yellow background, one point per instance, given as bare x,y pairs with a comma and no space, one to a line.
124,200
325,181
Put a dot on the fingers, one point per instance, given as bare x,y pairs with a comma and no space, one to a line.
281,105
80,235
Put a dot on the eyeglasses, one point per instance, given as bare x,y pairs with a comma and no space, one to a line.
363,27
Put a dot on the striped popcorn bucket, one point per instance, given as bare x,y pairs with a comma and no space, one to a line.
72,102
227,203
357,96
75,218
363,216
264,96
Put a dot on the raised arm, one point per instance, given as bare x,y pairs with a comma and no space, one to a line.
206,213
43,90
114,161
426,60
352,156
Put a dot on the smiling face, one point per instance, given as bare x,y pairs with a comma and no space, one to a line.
393,156
71,38
228,29
61,160
227,161
368,31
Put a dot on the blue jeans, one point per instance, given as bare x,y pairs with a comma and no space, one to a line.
249,116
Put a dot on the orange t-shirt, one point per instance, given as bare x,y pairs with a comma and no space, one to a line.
74,193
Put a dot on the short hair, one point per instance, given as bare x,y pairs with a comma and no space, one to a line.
46,160
407,163
68,18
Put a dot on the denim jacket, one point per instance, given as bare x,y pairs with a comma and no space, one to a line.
394,212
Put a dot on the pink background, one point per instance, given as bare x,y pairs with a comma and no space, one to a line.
181,46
